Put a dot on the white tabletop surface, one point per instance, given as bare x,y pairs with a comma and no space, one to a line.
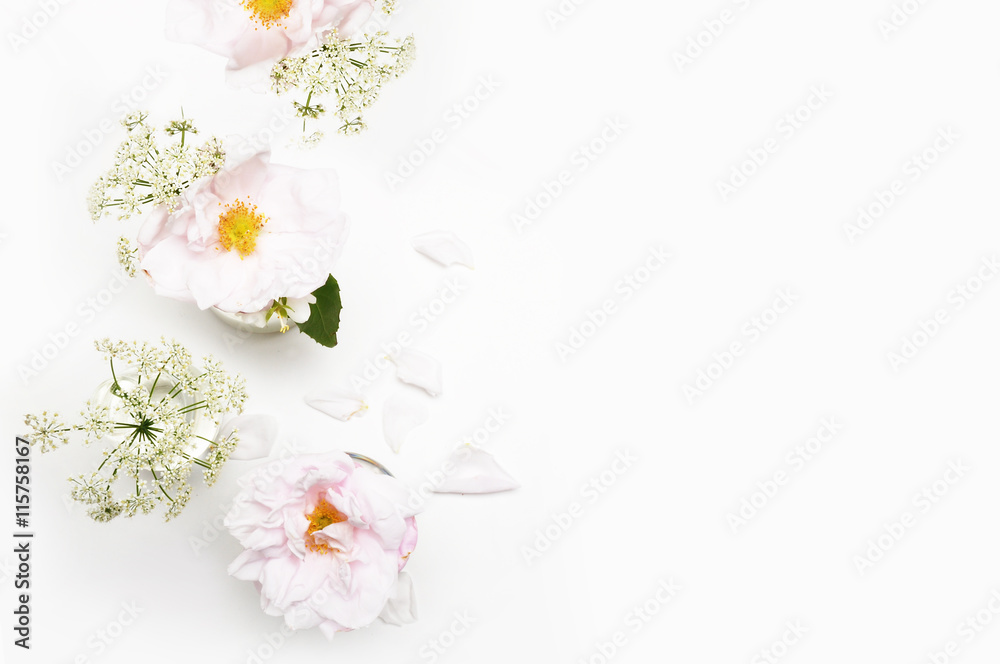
838,110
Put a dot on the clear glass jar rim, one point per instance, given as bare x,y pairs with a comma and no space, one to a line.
372,462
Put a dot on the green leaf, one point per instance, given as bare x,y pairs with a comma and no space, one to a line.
324,314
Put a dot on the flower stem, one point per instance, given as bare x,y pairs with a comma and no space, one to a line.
115,387
192,407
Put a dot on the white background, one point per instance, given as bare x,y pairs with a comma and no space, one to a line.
667,516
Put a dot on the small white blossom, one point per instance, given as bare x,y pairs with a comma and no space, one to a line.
311,141
90,489
139,503
111,349
104,512
96,200
96,423
179,501
128,256
406,55
47,431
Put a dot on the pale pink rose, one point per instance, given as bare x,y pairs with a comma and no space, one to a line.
255,34
326,539
246,236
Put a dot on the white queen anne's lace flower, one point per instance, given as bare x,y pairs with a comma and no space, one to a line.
146,415
353,71
145,173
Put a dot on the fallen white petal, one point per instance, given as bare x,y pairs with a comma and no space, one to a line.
476,471
401,609
257,433
401,414
337,404
418,369
443,247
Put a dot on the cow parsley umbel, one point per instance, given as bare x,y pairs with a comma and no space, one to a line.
151,416
146,172
352,71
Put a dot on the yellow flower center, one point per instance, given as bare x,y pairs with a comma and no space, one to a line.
322,516
239,226
268,12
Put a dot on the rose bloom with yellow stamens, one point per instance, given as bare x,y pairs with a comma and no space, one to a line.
245,237
326,542
255,34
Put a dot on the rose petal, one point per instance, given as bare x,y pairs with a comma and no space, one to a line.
402,412
401,608
418,369
299,309
337,404
443,247
476,471
247,566
331,628
257,432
